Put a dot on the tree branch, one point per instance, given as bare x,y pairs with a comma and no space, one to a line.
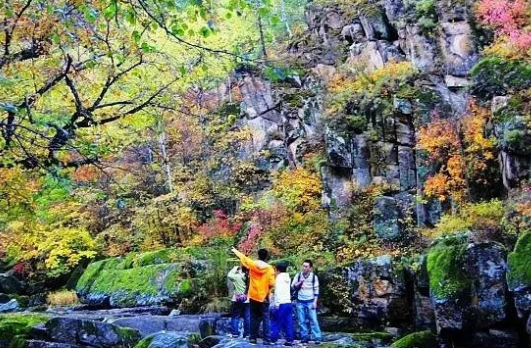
137,108
110,81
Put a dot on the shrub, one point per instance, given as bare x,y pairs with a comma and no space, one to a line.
299,190
62,298
483,219
497,76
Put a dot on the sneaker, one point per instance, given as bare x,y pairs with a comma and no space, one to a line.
267,343
304,341
317,342
288,344
253,341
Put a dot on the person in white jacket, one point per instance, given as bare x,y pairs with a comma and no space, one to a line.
282,311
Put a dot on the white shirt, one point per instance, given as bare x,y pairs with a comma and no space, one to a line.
282,289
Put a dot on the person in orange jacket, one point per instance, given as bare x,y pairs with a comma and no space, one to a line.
262,280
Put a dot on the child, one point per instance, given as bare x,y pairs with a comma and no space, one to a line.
282,311
239,278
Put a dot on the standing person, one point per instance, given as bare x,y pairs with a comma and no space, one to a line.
305,287
239,278
282,310
262,280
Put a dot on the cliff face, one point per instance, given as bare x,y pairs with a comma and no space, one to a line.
289,119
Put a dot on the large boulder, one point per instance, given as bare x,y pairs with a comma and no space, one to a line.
10,306
519,277
487,266
164,340
90,333
467,285
423,313
389,215
379,294
338,151
147,325
138,280
10,284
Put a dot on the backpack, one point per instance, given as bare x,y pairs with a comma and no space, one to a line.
295,291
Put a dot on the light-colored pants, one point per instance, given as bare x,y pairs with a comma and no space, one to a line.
305,314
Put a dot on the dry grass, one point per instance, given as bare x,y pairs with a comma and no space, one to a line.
62,298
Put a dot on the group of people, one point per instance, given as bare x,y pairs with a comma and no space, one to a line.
263,294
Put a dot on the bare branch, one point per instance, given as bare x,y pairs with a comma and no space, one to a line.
110,81
138,108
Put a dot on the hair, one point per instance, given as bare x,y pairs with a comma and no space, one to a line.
281,267
263,254
244,269
309,262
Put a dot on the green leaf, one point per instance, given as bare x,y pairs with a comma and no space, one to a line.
228,15
263,11
205,31
110,11
56,38
130,17
177,31
146,48
136,36
274,20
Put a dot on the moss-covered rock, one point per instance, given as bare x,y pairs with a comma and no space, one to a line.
519,264
141,279
91,333
373,337
164,340
421,339
446,268
17,326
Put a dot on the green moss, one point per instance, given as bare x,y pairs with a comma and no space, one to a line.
145,342
373,336
186,286
421,339
18,324
146,274
495,76
18,341
357,123
128,335
297,99
331,345
447,277
93,270
519,263
141,280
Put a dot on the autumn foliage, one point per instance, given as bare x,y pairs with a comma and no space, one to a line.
511,22
462,152
219,226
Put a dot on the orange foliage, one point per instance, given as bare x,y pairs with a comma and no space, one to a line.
85,174
462,150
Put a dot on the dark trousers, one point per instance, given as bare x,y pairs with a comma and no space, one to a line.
282,319
259,314
240,310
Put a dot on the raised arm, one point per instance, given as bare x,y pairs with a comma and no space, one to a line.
247,262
